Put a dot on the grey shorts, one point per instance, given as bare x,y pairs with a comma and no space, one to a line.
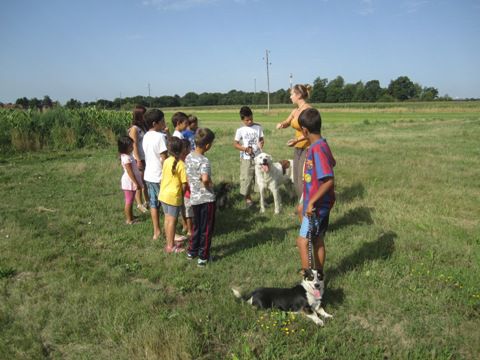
170,209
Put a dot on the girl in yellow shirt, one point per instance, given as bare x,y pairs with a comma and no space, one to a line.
172,188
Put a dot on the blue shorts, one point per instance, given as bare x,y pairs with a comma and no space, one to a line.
319,228
153,191
170,209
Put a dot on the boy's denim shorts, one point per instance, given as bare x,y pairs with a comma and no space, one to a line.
153,191
320,226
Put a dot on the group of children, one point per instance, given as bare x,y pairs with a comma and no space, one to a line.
177,179
181,183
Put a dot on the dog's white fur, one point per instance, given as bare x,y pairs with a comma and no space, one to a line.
311,287
269,174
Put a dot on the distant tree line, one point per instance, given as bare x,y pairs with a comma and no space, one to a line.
323,90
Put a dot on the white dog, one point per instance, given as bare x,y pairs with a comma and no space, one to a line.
271,175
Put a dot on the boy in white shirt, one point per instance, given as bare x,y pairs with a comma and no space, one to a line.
154,146
249,140
180,123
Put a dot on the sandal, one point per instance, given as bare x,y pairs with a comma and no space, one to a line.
133,222
174,249
142,208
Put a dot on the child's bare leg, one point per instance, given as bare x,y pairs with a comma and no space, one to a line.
302,245
184,223
189,226
128,213
156,223
138,197
319,252
170,223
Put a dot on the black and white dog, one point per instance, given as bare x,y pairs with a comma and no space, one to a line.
305,297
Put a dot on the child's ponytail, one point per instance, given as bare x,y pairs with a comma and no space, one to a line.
175,149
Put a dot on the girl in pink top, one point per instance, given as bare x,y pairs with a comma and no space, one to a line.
131,178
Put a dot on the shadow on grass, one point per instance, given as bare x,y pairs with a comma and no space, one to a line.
357,216
382,248
256,238
349,193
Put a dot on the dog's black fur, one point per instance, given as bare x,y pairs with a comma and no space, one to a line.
221,193
305,297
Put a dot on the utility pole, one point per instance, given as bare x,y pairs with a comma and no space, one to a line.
254,89
149,98
291,81
268,79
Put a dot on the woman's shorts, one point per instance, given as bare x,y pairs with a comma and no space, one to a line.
129,196
319,226
170,209
153,191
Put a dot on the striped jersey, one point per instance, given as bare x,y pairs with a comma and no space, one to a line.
318,167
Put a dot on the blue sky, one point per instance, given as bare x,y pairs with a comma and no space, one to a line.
94,49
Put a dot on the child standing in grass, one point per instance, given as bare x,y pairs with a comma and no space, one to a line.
189,132
137,132
180,123
155,149
249,140
172,188
202,197
318,189
187,211
131,178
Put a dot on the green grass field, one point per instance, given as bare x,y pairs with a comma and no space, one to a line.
403,255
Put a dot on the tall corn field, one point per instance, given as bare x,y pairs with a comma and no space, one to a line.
59,128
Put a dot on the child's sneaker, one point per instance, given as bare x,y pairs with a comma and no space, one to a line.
202,263
190,256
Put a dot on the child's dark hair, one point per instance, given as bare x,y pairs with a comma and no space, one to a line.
124,143
137,118
192,119
175,148
186,144
245,111
179,117
311,120
153,116
203,137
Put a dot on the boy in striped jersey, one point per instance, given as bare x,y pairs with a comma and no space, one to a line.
318,190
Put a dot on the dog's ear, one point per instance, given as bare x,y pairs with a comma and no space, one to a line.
320,274
285,164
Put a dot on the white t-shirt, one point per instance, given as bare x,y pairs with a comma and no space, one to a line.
178,134
249,136
154,143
